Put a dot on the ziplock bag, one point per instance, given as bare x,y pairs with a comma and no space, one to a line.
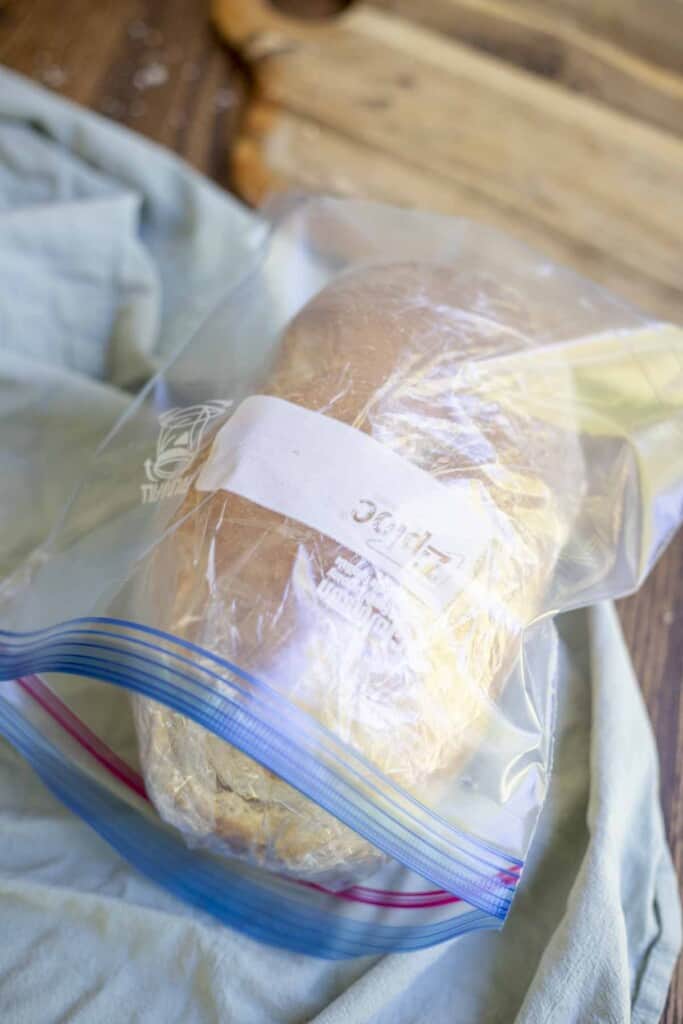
323,550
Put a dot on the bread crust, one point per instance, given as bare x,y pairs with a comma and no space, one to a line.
400,352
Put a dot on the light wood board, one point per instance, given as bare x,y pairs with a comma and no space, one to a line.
371,103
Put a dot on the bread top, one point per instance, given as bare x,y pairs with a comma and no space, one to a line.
407,354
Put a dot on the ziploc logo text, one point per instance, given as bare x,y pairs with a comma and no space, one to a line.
414,551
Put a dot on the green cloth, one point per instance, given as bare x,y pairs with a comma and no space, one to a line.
110,250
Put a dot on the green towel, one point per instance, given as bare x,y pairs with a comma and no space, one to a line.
111,250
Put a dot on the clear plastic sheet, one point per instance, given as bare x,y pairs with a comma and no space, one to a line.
400,447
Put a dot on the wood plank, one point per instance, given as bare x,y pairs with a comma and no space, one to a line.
550,43
586,174
158,69
278,150
34,39
653,28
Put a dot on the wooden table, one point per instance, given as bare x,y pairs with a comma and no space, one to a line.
581,152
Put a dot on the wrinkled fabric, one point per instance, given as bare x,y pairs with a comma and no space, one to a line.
111,252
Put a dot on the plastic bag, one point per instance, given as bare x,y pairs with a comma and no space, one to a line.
338,527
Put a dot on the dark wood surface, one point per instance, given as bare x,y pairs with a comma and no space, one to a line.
158,67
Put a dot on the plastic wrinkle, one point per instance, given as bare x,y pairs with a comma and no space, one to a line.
338,526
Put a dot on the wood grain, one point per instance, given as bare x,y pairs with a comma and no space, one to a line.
586,178
653,28
552,43
278,148
153,65
92,53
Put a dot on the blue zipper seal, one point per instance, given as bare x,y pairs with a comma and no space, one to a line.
264,912
258,720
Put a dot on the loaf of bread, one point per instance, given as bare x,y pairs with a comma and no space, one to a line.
406,354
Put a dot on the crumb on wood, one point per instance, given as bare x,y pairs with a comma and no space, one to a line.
150,76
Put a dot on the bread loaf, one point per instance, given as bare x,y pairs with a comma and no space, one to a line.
401,353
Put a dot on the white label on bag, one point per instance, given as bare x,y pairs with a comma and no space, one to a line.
345,484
